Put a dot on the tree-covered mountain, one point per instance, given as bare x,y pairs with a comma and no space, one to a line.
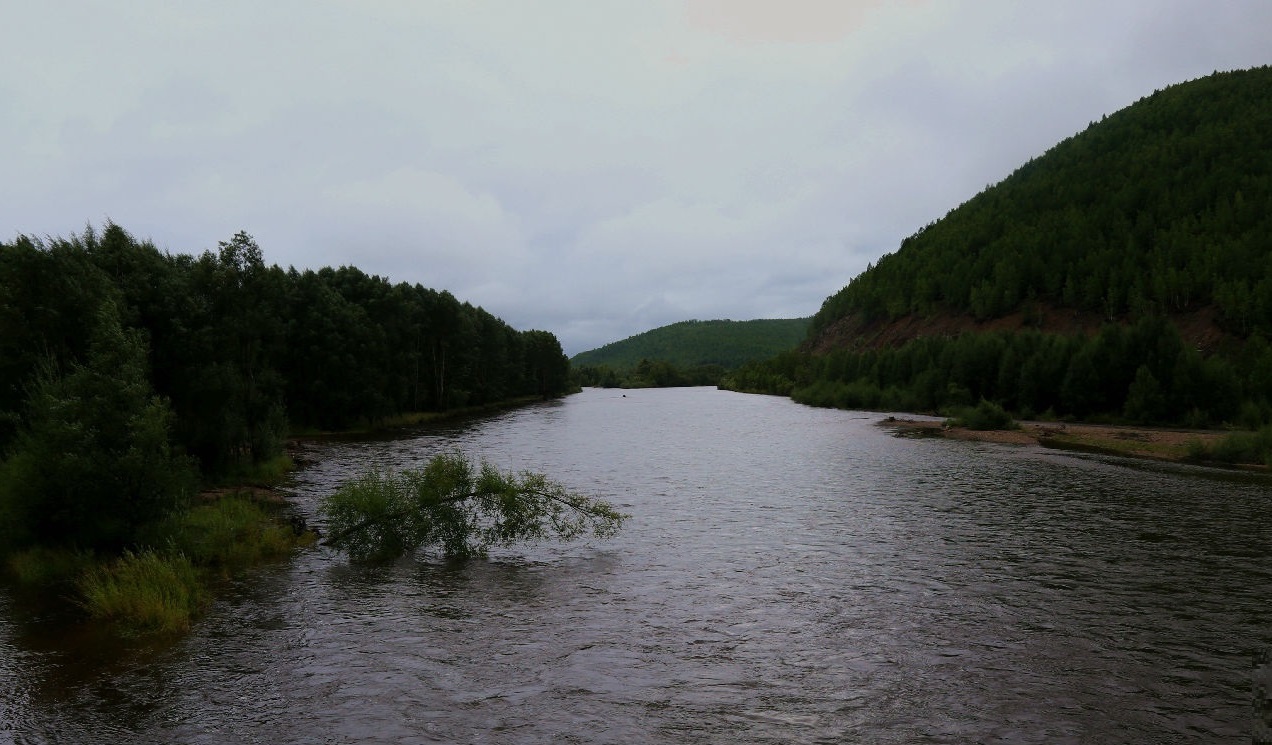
726,344
1163,208
1125,274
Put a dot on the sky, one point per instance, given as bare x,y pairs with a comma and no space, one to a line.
592,168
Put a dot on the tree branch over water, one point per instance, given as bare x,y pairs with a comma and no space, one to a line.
462,509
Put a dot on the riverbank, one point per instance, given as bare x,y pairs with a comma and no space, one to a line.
416,419
1173,445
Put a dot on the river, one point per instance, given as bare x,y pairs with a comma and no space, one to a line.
788,575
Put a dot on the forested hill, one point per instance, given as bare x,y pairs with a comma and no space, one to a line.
1161,209
1125,275
686,344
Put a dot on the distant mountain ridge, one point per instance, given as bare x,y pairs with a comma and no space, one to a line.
725,343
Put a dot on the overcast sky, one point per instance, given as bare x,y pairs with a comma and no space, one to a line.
591,168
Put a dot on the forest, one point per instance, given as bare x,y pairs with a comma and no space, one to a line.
1161,208
1124,275
686,353
129,375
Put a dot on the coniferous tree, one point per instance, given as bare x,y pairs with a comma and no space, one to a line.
94,462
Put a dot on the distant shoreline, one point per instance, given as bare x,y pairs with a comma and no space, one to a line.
1153,443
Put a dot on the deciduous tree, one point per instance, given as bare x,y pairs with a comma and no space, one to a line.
458,507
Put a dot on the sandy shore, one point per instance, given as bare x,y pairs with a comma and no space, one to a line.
1136,442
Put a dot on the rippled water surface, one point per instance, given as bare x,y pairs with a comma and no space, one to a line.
788,575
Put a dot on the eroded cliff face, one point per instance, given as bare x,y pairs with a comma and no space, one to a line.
1198,328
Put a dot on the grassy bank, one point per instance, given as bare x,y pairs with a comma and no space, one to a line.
166,577
161,585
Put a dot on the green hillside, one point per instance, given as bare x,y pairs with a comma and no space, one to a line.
1124,275
727,344
1162,208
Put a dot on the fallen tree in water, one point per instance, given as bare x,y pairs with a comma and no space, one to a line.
461,508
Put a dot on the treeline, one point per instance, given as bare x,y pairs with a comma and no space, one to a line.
692,344
1143,373
687,353
124,369
647,374
1160,208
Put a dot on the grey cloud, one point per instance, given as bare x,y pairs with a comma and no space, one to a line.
569,165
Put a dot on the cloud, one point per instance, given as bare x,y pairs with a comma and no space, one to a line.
792,21
590,168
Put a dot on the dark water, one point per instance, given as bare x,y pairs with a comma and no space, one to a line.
789,575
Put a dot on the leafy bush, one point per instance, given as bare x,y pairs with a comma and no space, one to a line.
462,508
1238,447
986,415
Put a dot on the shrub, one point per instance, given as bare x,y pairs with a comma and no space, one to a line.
1242,447
459,507
986,415
1237,448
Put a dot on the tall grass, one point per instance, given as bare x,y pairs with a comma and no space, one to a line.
163,588
265,473
145,592
226,535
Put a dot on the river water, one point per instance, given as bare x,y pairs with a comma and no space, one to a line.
788,575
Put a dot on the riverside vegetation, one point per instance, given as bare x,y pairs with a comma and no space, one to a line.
130,379
1124,276
459,507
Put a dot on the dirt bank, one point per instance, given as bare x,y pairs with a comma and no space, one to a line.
1136,442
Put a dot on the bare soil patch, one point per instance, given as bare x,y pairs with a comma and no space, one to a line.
1137,442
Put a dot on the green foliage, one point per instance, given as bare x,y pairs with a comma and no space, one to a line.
1237,447
546,365
224,535
42,566
265,473
985,415
1145,399
242,350
695,344
94,462
1143,372
778,376
461,508
649,374
46,295
1158,209
145,592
